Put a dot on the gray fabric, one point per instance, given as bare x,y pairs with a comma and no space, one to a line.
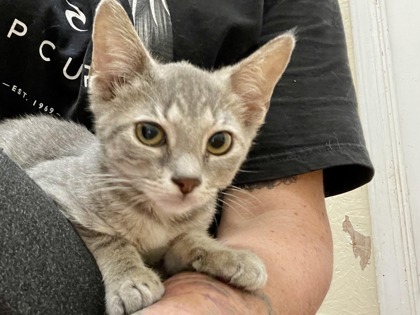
44,266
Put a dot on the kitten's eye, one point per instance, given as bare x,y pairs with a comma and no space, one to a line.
219,143
150,134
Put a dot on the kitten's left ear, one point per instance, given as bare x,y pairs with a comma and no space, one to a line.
118,53
254,78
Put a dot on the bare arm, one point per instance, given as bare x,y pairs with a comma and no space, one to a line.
287,226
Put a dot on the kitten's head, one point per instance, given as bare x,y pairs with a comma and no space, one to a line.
178,133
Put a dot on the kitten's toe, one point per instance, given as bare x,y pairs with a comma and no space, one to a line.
114,305
240,268
134,294
250,272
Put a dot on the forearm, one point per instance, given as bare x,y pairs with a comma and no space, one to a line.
298,262
299,271
293,237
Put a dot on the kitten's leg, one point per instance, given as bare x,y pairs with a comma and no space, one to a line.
129,284
199,252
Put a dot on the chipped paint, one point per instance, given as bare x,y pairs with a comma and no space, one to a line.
353,291
361,244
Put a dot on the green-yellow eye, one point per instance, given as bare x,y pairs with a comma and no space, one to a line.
219,143
150,134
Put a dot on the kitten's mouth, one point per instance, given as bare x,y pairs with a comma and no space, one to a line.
178,203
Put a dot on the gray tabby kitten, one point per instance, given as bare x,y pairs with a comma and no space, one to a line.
169,137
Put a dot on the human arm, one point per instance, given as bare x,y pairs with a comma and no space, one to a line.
287,226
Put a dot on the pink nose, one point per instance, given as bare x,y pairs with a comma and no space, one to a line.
185,184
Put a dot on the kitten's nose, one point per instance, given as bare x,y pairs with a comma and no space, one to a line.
186,184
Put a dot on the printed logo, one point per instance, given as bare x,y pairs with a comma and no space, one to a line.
45,49
152,7
76,14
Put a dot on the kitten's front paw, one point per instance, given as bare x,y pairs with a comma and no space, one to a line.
132,293
240,268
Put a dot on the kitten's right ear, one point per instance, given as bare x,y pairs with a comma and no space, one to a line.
118,53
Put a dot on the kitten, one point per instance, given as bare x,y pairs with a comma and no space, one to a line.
169,137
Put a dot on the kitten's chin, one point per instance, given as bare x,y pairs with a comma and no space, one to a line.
178,205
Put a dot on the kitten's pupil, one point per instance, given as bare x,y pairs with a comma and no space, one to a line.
218,140
149,131
150,134
219,143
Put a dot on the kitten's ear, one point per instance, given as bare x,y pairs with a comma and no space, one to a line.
255,77
118,53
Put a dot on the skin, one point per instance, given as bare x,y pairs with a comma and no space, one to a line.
286,224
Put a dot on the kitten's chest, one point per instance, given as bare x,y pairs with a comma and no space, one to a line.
149,236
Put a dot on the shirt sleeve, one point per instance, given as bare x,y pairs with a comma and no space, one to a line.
313,121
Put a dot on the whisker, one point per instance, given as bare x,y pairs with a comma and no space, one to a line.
244,191
102,177
109,189
112,182
233,208
135,200
239,205
238,199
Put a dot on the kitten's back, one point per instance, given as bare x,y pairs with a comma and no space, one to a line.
34,139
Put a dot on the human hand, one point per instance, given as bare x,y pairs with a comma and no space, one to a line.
194,293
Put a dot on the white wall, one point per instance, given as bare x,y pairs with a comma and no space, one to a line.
404,28
386,43
353,290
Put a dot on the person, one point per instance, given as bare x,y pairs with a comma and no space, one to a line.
310,147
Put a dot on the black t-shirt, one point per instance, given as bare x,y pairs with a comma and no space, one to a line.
312,122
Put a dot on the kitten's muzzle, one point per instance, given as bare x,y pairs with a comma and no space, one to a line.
186,184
